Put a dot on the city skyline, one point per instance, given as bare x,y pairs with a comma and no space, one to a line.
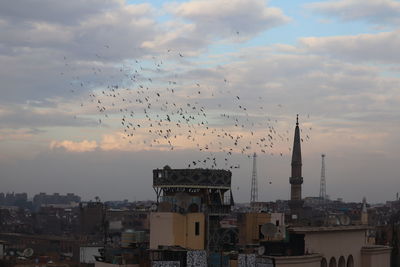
252,63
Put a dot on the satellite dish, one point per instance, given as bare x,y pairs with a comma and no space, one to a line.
28,252
261,250
269,230
344,219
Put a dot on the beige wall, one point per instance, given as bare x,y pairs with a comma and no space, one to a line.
298,261
174,229
193,241
249,227
161,229
375,256
336,244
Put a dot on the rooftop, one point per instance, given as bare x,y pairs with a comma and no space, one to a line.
192,178
311,229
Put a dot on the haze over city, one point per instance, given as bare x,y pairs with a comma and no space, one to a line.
75,74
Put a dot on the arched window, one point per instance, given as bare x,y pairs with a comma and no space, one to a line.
350,261
342,262
324,263
332,262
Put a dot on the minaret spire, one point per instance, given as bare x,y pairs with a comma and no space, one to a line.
296,179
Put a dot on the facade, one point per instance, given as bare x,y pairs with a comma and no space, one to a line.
326,240
375,256
174,229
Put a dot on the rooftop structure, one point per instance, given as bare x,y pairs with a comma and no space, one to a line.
193,190
191,178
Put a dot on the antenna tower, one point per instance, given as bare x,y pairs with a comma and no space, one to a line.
322,188
254,189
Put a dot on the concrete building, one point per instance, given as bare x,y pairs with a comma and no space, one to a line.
197,200
338,246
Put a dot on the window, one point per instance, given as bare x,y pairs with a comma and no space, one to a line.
324,263
260,234
350,261
342,262
277,222
332,262
197,228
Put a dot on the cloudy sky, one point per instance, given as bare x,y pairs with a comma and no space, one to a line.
98,93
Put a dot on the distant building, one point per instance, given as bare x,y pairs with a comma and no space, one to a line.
14,199
43,199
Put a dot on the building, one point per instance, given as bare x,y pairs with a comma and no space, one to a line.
197,200
250,226
296,179
43,199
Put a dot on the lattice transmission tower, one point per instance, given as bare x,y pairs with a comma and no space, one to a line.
322,188
254,189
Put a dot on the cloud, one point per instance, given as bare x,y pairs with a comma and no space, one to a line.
46,46
44,53
382,12
65,12
17,134
380,47
71,146
27,116
239,18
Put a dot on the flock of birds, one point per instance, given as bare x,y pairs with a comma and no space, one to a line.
157,107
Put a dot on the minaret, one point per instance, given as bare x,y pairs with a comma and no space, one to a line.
364,212
296,180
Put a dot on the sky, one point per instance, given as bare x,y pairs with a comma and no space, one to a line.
98,93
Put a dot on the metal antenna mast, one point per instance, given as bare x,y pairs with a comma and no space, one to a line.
322,188
254,189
